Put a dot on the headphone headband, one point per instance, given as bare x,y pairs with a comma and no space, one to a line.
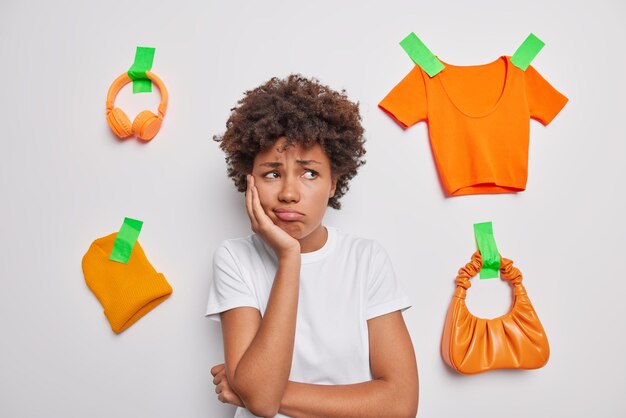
124,79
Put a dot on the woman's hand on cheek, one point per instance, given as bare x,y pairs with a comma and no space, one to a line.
280,241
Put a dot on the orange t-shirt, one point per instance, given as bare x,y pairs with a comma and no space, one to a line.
478,121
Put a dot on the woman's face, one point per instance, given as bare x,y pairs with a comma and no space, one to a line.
294,186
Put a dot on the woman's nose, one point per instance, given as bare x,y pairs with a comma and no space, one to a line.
289,192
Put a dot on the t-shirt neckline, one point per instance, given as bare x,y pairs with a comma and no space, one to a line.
319,254
505,87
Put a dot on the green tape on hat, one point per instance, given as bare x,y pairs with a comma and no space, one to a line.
137,72
527,51
421,55
125,240
488,250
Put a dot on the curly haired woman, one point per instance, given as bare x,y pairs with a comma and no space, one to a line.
311,316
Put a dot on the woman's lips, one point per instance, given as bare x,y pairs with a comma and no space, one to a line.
286,215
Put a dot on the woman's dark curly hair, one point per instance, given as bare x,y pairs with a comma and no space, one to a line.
302,111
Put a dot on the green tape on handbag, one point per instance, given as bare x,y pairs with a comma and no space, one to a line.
488,250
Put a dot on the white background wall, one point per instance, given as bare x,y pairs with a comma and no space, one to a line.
65,180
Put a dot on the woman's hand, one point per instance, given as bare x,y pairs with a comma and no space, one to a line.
222,387
280,241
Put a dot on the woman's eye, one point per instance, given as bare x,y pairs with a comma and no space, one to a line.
312,174
271,175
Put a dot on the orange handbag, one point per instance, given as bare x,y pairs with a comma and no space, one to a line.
515,340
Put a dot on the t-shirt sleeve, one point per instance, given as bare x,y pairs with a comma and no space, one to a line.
384,293
228,288
544,101
406,102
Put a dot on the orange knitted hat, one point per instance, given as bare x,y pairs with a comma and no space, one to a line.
126,291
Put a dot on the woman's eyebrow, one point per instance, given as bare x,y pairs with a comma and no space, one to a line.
308,162
301,162
276,164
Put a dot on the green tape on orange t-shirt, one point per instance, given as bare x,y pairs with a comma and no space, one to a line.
488,250
421,55
527,51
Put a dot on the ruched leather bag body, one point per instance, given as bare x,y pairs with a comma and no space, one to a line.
515,340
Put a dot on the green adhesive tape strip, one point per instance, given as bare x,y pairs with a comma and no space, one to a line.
527,51
421,55
137,72
125,240
488,249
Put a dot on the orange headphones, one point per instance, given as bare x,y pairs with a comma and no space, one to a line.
146,125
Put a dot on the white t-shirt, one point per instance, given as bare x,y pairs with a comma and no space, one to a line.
342,285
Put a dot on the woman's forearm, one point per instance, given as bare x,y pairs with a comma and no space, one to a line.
263,371
375,399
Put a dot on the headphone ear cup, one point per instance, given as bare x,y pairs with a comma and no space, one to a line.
146,125
119,123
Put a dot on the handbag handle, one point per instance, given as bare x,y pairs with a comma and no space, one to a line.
507,272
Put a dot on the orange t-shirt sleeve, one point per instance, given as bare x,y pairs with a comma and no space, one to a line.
406,102
544,101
